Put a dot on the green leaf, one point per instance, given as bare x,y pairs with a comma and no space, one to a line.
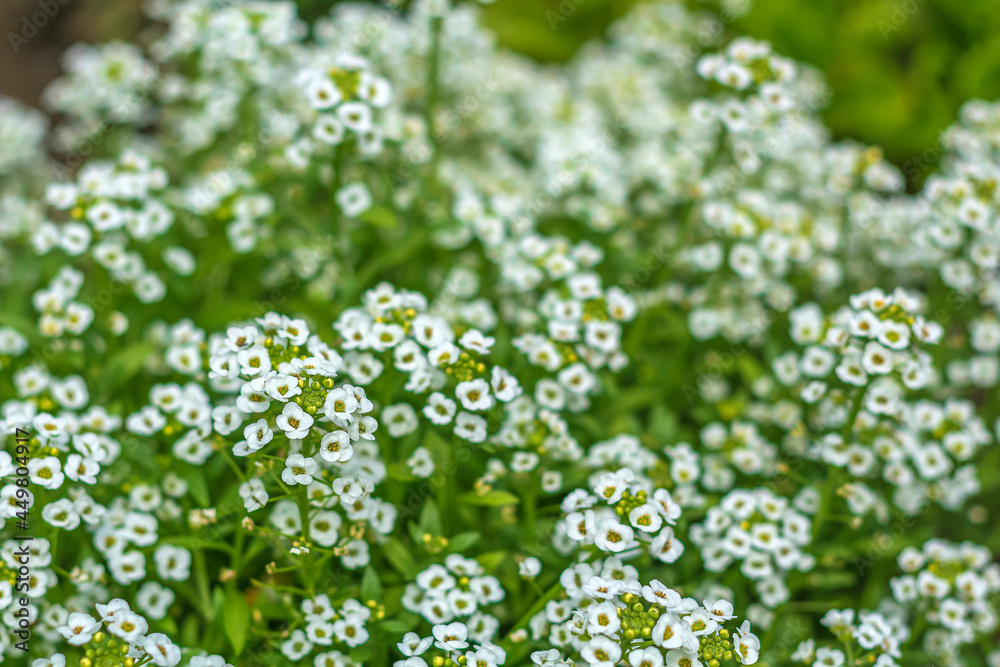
436,445
396,627
490,561
834,580
191,630
124,365
380,217
236,620
399,557
430,518
197,486
371,587
494,498
663,423
400,472
463,541
193,542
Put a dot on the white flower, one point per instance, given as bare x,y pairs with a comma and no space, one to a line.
258,434
298,470
328,129
505,386
747,645
474,340
254,494
601,651
474,395
356,116
282,387
294,421
682,658
482,657
671,632
666,547
701,622
645,518
602,619
161,650
128,625
876,359
322,93
340,403
529,568
721,610
413,645
439,409
336,446
297,646
79,628
46,472
648,657
208,661
172,562
471,427
353,199
825,656
451,637
613,536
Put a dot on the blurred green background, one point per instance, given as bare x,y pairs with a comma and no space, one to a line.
899,69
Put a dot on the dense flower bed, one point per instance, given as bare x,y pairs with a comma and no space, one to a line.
366,343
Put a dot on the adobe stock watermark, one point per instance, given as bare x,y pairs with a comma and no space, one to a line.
31,24
566,9
901,13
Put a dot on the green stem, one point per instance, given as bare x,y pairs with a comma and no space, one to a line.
448,473
833,474
279,587
228,456
859,400
530,511
433,68
849,650
201,581
344,227
306,558
534,609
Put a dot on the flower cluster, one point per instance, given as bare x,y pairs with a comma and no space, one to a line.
872,636
950,584
134,643
456,590
765,533
621,514
363,340
622,621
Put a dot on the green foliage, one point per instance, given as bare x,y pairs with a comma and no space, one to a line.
899,69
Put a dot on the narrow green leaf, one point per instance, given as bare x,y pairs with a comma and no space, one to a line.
400,472
492,560
236,620
494,498
396,627
380,217
430,518
371,587
463,541
399,557
197,486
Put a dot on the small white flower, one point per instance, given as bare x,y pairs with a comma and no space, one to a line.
79,628
294,421
298,470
